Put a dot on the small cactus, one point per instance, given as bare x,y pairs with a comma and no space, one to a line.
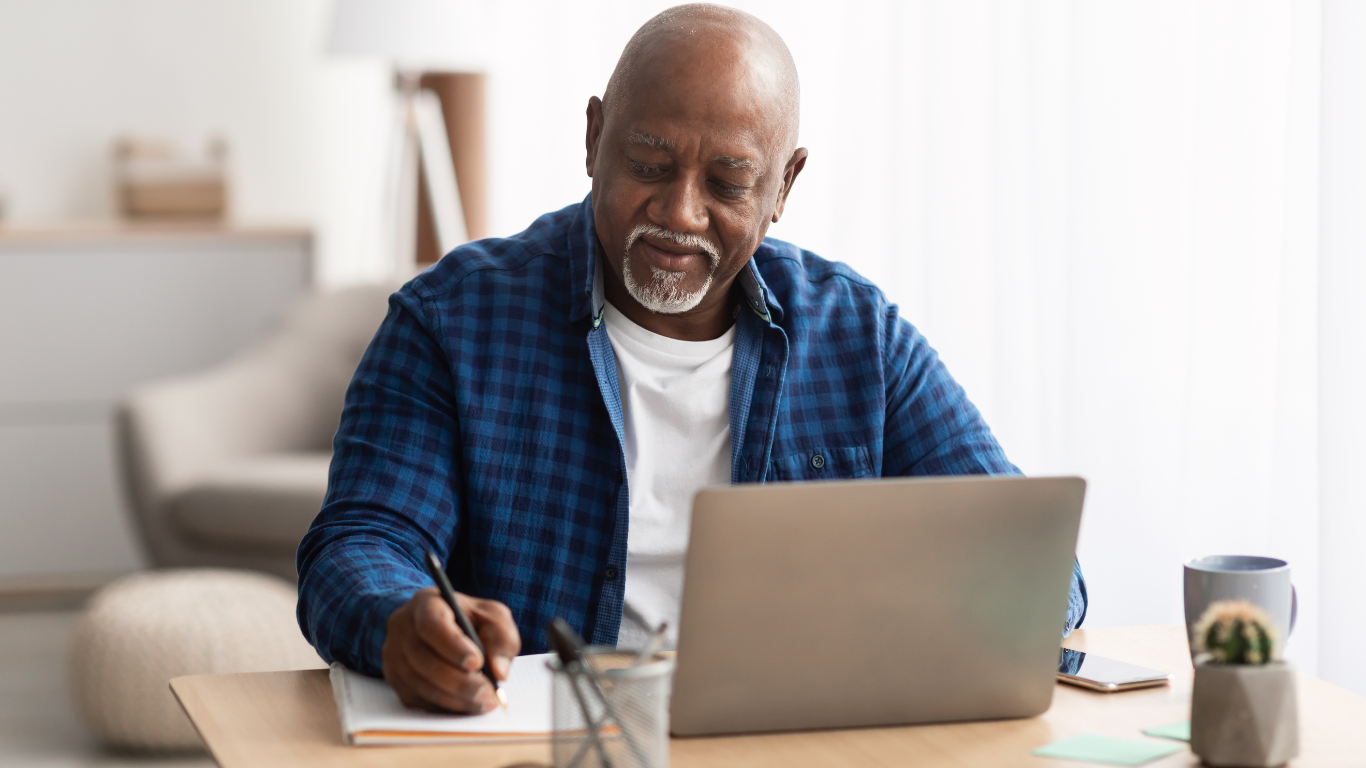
1235,632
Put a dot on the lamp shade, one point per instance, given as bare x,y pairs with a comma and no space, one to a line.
413,34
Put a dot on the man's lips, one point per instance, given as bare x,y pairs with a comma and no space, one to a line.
671,261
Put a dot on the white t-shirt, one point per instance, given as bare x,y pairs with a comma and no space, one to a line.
675,405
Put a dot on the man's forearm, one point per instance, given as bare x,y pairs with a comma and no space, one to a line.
390,492
348,587
1077,600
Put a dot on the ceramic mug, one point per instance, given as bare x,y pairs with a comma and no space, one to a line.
1262,581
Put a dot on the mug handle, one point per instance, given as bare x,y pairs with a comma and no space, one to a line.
1294,608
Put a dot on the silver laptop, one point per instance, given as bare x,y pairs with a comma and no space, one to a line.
873,602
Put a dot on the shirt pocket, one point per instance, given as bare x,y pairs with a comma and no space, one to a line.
837,463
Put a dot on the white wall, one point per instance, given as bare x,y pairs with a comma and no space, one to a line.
306,131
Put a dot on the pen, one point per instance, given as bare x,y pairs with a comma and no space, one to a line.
652,645
443,584
569,646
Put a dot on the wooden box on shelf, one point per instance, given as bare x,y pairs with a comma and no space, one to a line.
155,182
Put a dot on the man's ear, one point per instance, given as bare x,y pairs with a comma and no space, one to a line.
795,164
594,133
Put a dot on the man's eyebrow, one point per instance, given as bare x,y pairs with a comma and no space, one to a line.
661,143
652,141
734,162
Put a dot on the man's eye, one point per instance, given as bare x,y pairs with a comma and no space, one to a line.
648,171
728,190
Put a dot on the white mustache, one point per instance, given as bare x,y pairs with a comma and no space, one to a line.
679,238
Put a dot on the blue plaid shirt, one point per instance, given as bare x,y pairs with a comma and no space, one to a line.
484,422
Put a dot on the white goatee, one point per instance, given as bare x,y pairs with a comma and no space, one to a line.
664,292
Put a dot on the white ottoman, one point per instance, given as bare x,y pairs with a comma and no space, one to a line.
140,631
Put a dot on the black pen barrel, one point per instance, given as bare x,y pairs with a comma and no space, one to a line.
443,584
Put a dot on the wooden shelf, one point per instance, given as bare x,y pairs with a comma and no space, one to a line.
105,230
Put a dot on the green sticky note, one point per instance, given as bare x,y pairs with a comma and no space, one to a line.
1103,749
1179,731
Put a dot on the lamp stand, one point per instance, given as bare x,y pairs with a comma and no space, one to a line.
422,139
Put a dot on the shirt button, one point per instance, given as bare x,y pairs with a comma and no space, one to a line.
610,573
817,461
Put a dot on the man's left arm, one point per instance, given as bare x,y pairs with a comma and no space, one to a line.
932,428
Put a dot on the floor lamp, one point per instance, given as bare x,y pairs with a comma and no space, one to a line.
414,35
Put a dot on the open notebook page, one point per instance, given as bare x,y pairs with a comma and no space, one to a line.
370,711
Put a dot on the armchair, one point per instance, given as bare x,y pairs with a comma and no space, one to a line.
227,467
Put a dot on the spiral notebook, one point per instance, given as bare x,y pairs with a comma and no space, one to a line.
371,714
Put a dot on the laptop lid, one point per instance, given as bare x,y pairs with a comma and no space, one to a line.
873,602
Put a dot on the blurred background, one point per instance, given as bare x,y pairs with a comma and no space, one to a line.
1135,232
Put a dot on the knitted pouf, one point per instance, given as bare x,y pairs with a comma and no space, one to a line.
140,631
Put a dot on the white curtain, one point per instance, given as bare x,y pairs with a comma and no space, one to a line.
1342,359
1103,215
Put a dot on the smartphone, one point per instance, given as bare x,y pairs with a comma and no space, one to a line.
1098,673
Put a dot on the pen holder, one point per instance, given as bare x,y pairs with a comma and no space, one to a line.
611,714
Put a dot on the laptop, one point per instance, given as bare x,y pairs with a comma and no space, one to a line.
873,602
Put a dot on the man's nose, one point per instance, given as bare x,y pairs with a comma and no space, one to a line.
681,206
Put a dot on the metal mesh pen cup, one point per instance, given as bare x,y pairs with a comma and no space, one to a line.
611,715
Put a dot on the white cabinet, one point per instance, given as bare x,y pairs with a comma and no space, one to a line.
86,314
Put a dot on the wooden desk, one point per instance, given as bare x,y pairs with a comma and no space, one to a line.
288,719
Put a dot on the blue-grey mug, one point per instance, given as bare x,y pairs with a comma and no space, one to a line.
1262,581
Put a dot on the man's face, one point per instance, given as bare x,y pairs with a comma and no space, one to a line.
687,175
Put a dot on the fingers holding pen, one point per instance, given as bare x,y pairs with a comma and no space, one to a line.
497,631
434,622
450,688
430,663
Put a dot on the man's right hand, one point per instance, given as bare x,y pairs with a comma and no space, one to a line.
430,663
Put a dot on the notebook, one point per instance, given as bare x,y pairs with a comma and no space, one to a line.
370,711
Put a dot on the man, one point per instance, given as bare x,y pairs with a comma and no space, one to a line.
541,409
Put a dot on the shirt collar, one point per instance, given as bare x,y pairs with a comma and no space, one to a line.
589,298
757,294
583,258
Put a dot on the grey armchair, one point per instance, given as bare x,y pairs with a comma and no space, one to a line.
227,467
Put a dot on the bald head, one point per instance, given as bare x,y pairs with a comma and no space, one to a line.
720,47
693,151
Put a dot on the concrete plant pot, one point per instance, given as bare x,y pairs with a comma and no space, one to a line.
1245,715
